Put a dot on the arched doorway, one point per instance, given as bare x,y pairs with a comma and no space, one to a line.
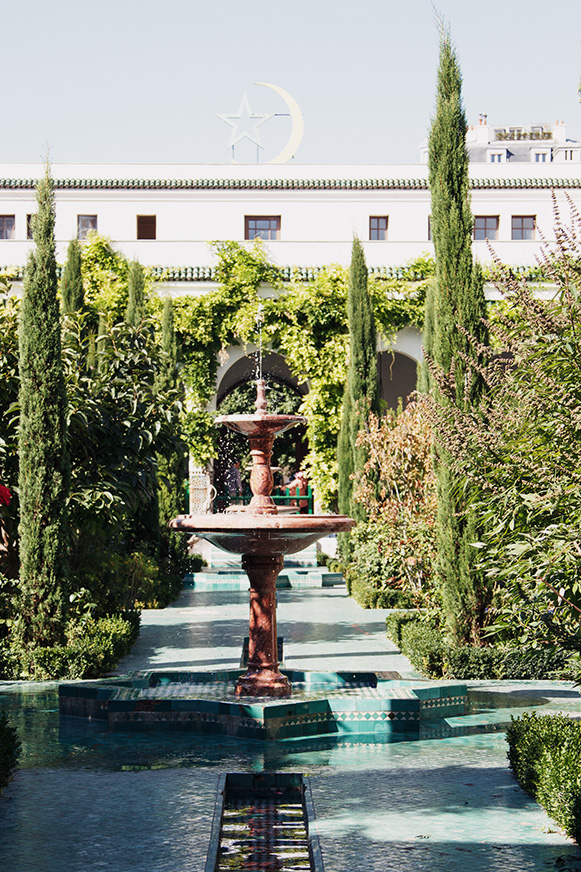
243,369
397,377
235,395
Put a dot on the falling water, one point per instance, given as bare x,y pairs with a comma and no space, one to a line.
259,324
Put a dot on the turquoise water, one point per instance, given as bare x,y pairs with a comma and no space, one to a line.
85,799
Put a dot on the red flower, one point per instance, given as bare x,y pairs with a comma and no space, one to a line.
4,496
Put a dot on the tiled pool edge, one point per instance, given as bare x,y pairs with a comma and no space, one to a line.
398,706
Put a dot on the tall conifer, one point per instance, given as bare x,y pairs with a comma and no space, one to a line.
361,392
135,294
44,469
171,468
72,293
455,299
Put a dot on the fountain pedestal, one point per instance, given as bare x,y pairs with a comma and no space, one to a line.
263,677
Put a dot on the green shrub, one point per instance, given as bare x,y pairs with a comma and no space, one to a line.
373,573
545,756
196,562
93,648
469,662
424,646
9,750
397,620
429,653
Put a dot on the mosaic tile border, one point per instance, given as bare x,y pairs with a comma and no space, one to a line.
339,703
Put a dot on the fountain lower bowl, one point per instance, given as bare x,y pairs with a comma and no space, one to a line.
349,705
248,533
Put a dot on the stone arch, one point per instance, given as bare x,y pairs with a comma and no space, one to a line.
397,366
237,370
240,367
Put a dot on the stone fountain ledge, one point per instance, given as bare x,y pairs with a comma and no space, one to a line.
325,703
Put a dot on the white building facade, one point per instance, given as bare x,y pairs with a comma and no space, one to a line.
166,215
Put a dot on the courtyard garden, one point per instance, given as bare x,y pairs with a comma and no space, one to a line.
464,564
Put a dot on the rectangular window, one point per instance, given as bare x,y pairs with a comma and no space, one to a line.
29,226
6,226
85,223
486,227
568,154
262,227
378,227
147,227
523,226
540,156
496,157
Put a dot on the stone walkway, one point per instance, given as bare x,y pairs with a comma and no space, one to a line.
85,800
323,629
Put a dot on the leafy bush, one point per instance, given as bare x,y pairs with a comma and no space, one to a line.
545,756
425,648
368,579
396,621
391,556
9,750
520,449
429,653
92,648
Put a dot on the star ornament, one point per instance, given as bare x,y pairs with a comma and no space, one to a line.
245,123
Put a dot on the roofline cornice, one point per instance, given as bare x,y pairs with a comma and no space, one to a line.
419,184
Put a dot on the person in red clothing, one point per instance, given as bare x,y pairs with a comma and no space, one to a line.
4,496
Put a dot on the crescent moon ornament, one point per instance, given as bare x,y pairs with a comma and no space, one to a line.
297,129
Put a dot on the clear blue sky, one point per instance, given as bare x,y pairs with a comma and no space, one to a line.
143,80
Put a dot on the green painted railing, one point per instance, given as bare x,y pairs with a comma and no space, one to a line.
288,498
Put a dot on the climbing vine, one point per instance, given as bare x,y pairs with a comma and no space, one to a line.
305,321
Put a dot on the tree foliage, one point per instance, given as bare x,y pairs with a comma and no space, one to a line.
394,550
454,304
520,451
72,291
360,396
135,311
9,387
44,468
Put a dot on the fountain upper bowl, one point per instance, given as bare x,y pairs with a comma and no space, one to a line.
260,424
248,533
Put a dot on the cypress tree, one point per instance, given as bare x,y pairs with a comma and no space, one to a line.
72,293
135,294
455,299
168,342
361,391
171,468
44,469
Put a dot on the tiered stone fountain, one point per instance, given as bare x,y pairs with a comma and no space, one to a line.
256,704
263,537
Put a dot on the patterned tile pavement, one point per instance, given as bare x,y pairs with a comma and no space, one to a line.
86,800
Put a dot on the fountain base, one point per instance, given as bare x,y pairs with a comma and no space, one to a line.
266,682
355,706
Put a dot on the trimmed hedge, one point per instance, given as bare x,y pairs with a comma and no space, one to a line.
9,751
371,593
396,621
92,649
428,652
545,756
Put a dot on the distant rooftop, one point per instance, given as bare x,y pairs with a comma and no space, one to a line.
520,143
